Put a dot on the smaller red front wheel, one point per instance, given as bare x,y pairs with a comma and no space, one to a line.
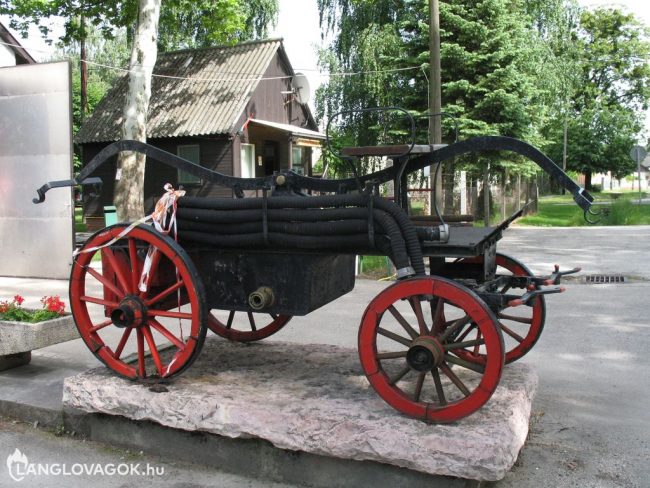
245,326
142,294
408,345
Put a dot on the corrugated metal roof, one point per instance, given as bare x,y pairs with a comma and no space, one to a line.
224,79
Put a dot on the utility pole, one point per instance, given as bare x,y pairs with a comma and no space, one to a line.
84,70
564,145
435,103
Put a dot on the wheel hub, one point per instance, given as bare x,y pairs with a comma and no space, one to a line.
130,313
425,353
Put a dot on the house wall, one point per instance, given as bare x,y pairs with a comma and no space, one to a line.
7,56
269,103
215,153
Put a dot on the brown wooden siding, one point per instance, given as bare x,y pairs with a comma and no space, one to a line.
215,152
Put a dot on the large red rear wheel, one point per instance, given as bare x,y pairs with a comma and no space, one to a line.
245,326
119,311
408,345
521,326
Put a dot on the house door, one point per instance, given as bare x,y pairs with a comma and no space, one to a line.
271,159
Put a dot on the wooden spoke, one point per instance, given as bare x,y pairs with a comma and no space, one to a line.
466,332
418,387
231,316
416,305
477,368
392,355
478,338
407,327
135,269
454,379
511,333
122,343
387,365
463,344
97,327
164,294
122,278
399,375
436,315
171,271
168,313
146,331
456,325
439,390
167,334
106,282
142,371
254,327
395,337
99,301
251,320
509,272
523,320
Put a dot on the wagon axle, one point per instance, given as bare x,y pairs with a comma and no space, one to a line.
131,312
425,353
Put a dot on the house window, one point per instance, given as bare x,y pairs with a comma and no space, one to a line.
299,159
191,153
248,160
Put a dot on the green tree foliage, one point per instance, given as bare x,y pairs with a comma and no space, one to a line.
183,23
609,97
490,65
510,67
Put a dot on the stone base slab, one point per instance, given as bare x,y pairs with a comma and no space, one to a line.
315,399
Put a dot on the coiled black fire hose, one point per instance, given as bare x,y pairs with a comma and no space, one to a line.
322,235
387,214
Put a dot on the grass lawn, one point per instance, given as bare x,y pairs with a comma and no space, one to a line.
561,211
79,224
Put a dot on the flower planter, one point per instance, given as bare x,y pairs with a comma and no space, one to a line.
18,339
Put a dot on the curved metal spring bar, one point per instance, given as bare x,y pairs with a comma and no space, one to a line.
416,163
364,110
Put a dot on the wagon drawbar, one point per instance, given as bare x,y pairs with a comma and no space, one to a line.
433,345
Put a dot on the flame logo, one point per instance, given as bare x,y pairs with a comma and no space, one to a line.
13,462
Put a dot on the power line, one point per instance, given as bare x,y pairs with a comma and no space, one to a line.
251,76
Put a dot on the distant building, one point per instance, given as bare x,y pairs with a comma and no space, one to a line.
11,52
236,115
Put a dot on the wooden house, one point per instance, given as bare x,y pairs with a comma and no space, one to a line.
230,109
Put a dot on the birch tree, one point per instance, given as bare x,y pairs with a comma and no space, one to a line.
129,187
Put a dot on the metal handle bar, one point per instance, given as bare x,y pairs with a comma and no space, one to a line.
416,163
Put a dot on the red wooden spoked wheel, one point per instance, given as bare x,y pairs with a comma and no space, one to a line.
407,347
245,326
522,325
116,318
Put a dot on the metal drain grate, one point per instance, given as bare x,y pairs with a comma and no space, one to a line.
602,279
